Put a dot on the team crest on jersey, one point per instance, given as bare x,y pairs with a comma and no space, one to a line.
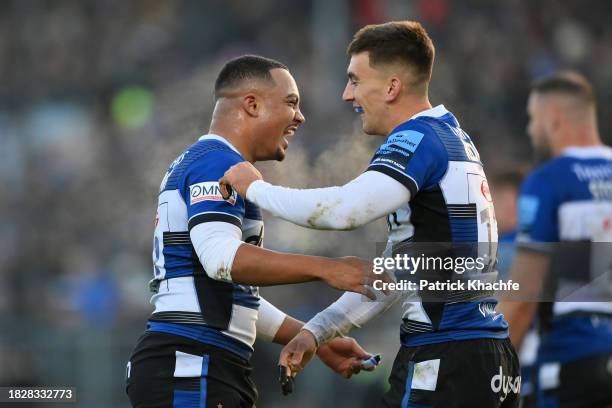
208,191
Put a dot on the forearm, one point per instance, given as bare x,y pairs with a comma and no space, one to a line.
225,257
519,316
350,311
274,325
528,270
338,208
262,267
288,330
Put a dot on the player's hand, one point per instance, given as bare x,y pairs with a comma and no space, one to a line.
298,352
239,177
354,274
344,355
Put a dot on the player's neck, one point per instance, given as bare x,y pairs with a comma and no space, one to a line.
586,136
235,136
406,109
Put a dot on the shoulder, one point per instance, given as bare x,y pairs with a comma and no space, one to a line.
212,155
549,174
414,138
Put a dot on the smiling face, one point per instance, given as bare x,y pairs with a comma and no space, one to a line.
279,117
366,90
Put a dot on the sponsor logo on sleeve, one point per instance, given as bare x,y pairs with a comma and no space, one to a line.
406,139
208,191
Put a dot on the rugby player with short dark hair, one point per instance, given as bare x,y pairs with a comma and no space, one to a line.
563,247
428,180
208,257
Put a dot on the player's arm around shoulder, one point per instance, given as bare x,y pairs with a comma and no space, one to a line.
364,199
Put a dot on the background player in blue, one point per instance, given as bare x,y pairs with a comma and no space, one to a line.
563,257
428,180
505,187
207,253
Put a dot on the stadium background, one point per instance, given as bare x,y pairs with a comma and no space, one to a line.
97,97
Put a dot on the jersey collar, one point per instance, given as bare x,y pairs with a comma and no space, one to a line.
435,112
221,139
589,152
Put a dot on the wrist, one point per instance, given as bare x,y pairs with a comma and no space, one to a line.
310,335
324,266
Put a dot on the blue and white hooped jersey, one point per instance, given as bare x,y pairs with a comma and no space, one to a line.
188,302
450,203
565,207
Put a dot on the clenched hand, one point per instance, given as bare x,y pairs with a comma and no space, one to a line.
238,177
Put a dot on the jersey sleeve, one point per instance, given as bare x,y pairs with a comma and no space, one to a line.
200,190
414,157
537,212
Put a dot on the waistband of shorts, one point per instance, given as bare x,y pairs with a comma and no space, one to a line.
420,339
205,335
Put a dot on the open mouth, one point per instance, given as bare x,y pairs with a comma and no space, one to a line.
290,131
358,109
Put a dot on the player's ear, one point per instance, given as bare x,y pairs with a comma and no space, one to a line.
394,88
251,104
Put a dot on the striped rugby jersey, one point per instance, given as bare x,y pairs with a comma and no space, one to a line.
565,208
188,302
450,204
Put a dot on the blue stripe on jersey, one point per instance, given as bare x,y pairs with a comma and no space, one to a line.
464,230
186,399
453,138
205,335
203,380
417,339
244,298
178,261
574,337
472,315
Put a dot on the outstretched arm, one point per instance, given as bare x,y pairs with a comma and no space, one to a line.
225,257
350,311
337,320
343,356
366,198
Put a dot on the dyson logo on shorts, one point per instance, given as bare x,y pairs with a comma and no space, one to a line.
505,384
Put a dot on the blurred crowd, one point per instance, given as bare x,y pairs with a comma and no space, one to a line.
98,97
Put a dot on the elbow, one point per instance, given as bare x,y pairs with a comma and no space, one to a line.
342,219
219,271
217,257
333,224
348,224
